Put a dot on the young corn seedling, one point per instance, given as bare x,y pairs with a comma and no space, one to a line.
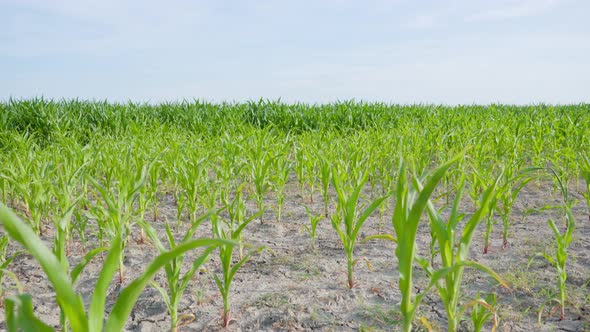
387,170
410,204
64,192
229,166
4,183
349,215
116,212
19,309
325,166
229,270
152,185
561,173
176,281
479,182
311,174
482,309
179,194
585,171
259,165
236,210
300,157
148,193
562,241
3,248
454,255
61,252
191,176
61,238
314,220
4,262
30,179
68,188
279,180
511,184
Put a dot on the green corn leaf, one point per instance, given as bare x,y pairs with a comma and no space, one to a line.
77,270
69,301
20,315
237,266
387,237
485,269
189,234
104,193
366,213
454,218
128,296
543,255
152,235
336,226
162,292
197,263
170,236
218,282
475,219
245,223
97,304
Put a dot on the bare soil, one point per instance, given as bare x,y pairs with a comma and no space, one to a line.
290,287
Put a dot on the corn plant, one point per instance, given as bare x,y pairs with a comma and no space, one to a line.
411,201
311,229
310,166
30,179
300,161
4,184
586,175
4,262
349,214
117,209
260,162
229,166
3,248
454,255
19,309
482,309
66,203
179,196
480,181
325,167
236,210
68,189
152,185
60,253
191,176
61,238
562,241
148,193
387,170
228,267
177,282
279,179
511,184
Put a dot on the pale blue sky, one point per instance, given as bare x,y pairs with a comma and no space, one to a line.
455,51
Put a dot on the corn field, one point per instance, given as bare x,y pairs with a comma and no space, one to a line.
271,216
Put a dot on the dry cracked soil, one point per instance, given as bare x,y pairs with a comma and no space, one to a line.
292,287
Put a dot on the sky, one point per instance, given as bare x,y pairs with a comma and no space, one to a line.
313,51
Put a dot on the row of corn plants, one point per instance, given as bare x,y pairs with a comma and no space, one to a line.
74,171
